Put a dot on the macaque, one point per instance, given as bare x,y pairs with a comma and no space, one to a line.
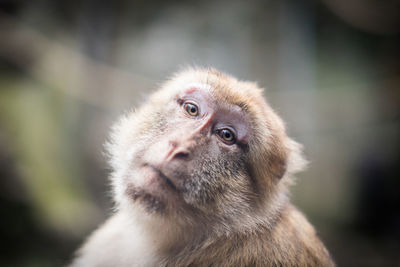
201,176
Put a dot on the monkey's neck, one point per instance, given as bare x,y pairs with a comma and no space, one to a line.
161,233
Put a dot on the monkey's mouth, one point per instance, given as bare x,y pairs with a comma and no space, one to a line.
157,191
163,177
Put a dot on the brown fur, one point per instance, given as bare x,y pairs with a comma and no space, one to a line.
226,205
291,242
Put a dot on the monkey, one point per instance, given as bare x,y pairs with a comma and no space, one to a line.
200,177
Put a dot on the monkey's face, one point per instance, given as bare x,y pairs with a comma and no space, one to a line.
195,149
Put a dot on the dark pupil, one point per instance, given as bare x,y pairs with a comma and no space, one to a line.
227,134
193,109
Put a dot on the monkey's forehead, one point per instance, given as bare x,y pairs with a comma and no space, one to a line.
223,87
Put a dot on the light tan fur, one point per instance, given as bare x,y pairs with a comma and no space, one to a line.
250,223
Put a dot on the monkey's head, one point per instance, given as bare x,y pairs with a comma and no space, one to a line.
204,148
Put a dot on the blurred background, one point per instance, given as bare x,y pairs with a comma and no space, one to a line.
331,69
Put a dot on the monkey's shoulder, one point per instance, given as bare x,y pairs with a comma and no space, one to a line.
294,242
116,243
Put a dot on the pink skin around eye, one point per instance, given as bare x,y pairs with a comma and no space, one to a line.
230,115
191,90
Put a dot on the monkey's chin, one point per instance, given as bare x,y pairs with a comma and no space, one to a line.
152,203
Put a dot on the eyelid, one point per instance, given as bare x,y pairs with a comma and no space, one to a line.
221,127
181,101
190,102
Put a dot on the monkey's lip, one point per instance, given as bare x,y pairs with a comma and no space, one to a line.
163,177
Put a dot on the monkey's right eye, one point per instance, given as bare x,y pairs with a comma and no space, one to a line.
191,109
227,136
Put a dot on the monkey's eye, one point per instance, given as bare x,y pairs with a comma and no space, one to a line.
191,109
227,136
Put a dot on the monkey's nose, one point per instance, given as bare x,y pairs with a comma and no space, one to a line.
177,151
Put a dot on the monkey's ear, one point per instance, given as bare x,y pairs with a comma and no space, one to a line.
296,161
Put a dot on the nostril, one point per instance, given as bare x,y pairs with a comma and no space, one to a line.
181,155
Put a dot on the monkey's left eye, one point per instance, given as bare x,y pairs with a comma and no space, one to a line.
227,136
191,109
